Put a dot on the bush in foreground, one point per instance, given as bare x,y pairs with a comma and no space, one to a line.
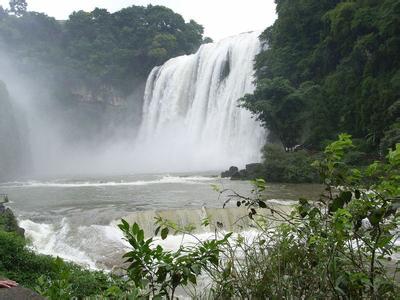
50,276
337,247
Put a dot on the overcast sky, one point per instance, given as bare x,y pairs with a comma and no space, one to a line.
221,18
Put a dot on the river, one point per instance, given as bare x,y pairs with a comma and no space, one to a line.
75,218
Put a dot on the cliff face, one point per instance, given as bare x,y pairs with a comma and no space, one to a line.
103,94
103,111
39,121
19,293
11,149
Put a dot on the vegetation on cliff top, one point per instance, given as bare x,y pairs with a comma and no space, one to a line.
97,47
330,67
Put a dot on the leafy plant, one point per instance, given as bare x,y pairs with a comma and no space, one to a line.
337,247
160,272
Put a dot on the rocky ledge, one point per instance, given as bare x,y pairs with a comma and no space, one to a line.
251,171
19,293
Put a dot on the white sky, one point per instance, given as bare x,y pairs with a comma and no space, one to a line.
221,18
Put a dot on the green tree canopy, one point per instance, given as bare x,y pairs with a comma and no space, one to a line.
18,7
349,52
98,47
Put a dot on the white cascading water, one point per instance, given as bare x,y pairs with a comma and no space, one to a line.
191,119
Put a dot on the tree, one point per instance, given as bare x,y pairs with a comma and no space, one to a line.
18,7
207,40
3,12
350,51
280,107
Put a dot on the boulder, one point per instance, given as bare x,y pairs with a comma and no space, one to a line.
19,293
232,170
236,176
240,175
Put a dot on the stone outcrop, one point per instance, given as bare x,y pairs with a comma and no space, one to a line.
251,171
19,293
101,94
232,170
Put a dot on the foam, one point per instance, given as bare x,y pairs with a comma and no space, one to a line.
57,184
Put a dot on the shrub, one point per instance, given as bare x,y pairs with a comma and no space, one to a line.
8,222
292,167
338,247
50,276
19,263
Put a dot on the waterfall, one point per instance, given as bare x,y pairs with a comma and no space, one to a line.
191,119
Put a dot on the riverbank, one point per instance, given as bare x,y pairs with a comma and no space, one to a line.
40,272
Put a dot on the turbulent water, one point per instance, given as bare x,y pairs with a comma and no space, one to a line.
191,118
76,218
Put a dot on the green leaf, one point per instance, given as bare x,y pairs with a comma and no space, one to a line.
140,235
376,216
164,233
135,228
216,188
157,230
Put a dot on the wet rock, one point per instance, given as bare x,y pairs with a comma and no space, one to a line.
252,171
19,293
232,171
236,176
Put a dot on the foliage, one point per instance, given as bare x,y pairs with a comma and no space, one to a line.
330,67
119,47
8,222
337,247
160,272
51,277
71,281
292,167
280,108
19,263
97,47
18,7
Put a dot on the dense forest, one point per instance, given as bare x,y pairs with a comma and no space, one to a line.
328,67
98,47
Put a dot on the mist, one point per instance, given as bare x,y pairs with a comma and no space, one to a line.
61,142
187,118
